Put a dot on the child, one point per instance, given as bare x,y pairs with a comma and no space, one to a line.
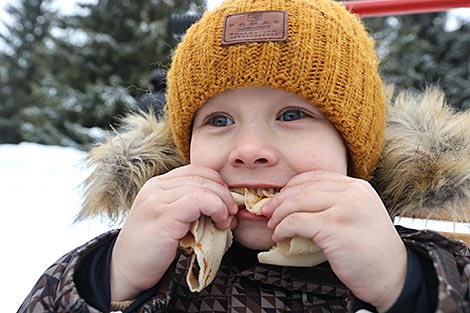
270,95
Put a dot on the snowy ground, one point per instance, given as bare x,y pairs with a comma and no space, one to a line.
40,199
40,194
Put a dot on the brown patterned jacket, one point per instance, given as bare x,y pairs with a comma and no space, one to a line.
244,285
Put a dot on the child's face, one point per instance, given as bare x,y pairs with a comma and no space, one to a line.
259,137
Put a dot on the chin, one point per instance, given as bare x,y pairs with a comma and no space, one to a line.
253,235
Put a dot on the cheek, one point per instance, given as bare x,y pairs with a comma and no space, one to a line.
197,150
327,154
203,152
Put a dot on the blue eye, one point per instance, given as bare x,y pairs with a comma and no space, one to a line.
291,115
220,121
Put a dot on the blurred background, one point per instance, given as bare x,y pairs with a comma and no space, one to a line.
70,69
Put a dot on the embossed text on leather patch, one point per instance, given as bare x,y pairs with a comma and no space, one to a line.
255,27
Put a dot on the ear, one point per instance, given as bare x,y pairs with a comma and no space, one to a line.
143,147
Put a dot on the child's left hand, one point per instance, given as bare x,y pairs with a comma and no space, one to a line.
346,219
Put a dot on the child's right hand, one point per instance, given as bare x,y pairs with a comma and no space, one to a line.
160,216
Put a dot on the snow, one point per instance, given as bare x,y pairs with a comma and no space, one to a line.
436,225
39,186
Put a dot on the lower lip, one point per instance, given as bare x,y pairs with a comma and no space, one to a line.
244,214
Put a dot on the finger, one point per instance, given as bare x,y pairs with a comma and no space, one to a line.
199,182
316,176
194,170
189,207
183,204
299,224
314,201
308,196
234,223
350,194
304,185
211,176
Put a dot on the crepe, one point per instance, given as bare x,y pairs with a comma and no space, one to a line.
207,244
252,199
296,251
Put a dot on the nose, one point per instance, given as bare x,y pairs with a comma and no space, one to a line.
253,150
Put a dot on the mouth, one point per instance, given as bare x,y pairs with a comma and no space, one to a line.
252,200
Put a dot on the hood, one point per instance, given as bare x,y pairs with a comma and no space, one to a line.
424,170
141,148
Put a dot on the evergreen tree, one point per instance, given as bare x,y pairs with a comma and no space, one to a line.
21,65
418,51
103,61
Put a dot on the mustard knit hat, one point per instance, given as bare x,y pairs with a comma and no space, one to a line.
315,49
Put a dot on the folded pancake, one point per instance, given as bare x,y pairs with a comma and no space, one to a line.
207,244
296,251
252,199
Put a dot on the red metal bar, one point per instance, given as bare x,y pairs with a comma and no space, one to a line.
370,8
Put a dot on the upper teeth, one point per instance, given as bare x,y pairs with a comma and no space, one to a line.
256,191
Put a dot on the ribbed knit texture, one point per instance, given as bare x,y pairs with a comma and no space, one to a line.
327,59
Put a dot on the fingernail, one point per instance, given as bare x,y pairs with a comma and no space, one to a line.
265,209
270,224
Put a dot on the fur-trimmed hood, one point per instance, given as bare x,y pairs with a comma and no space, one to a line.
424,170
142,148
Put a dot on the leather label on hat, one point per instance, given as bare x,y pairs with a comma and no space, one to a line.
257,26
